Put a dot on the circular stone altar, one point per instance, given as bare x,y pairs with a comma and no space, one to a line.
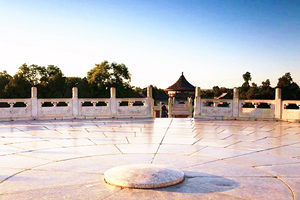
143,176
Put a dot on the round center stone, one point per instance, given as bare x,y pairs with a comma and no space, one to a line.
143,176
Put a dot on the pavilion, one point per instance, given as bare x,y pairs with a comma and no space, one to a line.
181,95
181,88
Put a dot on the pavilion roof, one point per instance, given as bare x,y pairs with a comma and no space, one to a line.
181,85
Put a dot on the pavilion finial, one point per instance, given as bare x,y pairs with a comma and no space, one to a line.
182,73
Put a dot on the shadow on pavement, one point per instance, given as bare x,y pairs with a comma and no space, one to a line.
196,182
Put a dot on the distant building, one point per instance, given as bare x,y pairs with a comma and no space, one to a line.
181,88
181,96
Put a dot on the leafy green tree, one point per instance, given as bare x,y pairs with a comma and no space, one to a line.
18,87
106,75
252,92
52,83
217,92
265,91
99,75
84,90
266,84
207,94
159,93
4,80
290,89
247,77
119,75
245,86
285,81
32,73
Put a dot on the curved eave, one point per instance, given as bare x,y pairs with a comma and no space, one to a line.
179,89
181,85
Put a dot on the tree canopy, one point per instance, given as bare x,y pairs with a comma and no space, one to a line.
106,75
290,89
52,83
109,75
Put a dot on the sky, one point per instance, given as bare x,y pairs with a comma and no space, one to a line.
212,42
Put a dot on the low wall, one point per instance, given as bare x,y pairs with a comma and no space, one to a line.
268,112
68,108
257,109
9,111
257,112
94,110
215,108
71,108
53,108
290,114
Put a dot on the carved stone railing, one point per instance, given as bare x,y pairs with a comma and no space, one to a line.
62,108
291,110
182,108
15,109
94,108
54,108
270,109
257,109
134,107
216,108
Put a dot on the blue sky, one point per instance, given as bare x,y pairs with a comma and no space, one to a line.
212,42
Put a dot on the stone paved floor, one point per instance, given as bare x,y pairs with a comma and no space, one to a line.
221,159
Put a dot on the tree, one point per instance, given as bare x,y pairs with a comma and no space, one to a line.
32,73
285,81
4,80
106,75
159,93
84,90
252,93
265,91
245,86
247,77
290,89
17,87
52,83
216,90
266,84
99,75
207,94
119,75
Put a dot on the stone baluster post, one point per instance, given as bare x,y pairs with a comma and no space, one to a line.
150,101
190,106
235,103
34,103
170,107
75,103
160,109
278,104
197,103
113,104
